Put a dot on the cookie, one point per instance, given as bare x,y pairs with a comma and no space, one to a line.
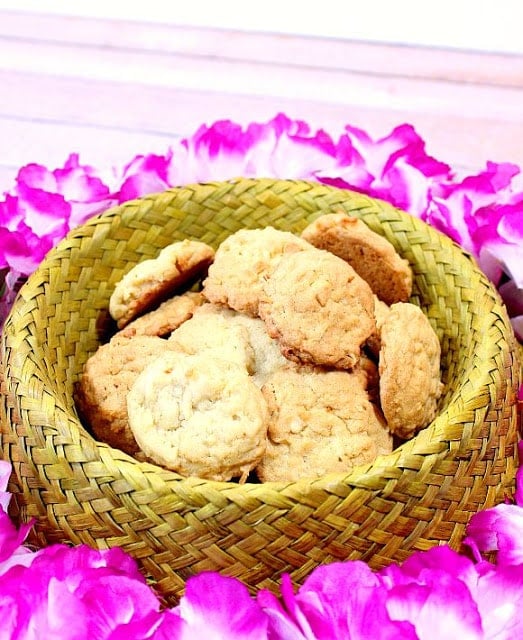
166,318
266,350
318,308
409,369
242,261
320,422
148,283
215,336
199,416
107,376
381,310
372,256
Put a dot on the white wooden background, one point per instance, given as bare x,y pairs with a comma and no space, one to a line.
110,80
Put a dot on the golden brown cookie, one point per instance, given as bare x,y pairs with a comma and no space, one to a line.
320,422
149,282
371,255
241,262
409,367
166,318
381,310
318,308
101,393
199,416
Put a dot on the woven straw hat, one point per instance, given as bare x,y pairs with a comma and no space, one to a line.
82,491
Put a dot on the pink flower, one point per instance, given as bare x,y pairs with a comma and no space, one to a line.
395,168
71,193
435,591
434,594
216,606
79,593
144,175
480,210
338,600
43,207
499,598
280,148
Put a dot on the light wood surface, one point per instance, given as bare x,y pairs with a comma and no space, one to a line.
109,88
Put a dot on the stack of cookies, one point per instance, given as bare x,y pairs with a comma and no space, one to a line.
275,357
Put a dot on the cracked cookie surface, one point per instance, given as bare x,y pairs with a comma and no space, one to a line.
318,308
320,422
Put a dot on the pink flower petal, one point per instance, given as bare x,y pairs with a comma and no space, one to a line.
435,591
438,607
218,606
338,600
80,593
396,167
146,174
499,598
22,250
498,529
12,551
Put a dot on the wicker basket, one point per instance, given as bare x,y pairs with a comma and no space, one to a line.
82,491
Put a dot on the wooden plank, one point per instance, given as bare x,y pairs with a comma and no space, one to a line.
467,24
331,86
279,49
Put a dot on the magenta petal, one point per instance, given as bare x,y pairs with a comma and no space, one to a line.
218,606
499,598
440,558
440,606
80,593
348,600
12,551
45,213
141,184
22,250
171,627
36,176
118,607
498,529
284,622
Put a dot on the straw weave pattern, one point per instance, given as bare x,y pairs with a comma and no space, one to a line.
83,491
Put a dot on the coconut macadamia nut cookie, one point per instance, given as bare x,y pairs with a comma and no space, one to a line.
320,422
267,354
409,368
318,308
242,260
199,416
149,282
102,389
166,318
216,337
372,256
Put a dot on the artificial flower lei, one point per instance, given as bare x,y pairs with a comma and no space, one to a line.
77,592
482,212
